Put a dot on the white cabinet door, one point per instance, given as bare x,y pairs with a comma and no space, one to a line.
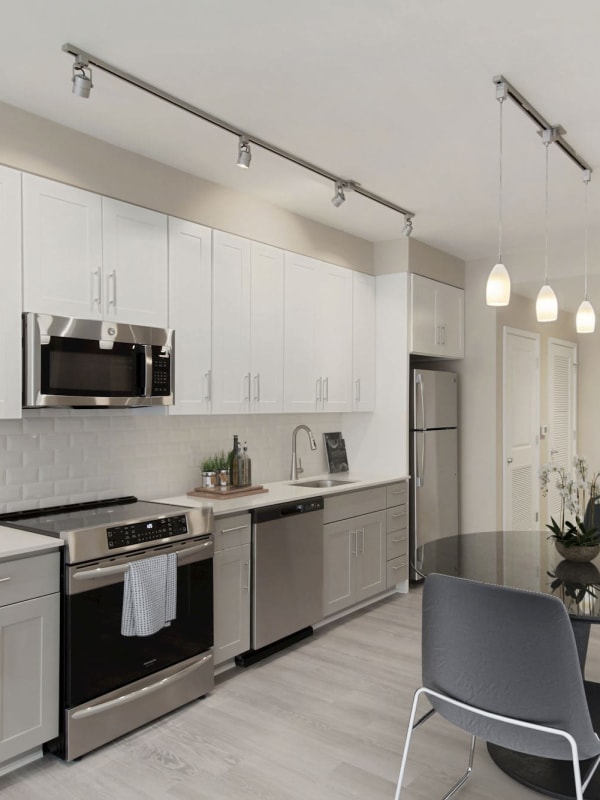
231,378
266,329
450,320
363,341
135,279
371,573
62,249
339,566
423,324
29,661
437,314
190,314
10,298
334,336
303,389
231,602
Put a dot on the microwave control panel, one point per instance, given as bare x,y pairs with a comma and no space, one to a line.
148,531
161,373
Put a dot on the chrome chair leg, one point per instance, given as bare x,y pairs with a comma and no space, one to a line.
467,774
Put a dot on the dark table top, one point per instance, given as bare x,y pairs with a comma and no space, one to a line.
520,559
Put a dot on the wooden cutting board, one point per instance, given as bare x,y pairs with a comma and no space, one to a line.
225,492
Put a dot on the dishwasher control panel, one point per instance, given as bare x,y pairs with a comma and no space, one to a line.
294,507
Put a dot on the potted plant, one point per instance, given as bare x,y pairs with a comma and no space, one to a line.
577,540
215,471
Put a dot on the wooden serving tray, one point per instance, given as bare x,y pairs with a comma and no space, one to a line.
224,492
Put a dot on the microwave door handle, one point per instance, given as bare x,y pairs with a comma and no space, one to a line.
148,370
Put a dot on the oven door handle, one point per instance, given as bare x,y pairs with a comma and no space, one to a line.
121,569
145,690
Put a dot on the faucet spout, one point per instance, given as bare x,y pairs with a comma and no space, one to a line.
296,467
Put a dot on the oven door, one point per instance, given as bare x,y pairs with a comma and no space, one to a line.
97,657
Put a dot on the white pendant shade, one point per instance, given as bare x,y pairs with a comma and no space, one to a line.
546,305
497,290
586,318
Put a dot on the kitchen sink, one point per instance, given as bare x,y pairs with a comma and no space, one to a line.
321,483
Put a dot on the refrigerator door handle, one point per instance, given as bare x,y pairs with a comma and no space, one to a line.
420,461
421,393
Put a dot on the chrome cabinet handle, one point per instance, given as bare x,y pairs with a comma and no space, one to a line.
208,386
247,379
96,288
257,387
247,587
319,389
362,533
112,285
237,528
355,551
3,580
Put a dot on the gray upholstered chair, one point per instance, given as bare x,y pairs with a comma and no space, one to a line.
502,664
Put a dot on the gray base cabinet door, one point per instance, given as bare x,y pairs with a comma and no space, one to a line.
231,602
354,552
29,663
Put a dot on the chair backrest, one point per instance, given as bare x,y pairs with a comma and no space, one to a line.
510,652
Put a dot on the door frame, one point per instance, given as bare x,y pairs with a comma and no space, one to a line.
506,331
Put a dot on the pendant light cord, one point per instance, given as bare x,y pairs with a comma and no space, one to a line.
501,101
546,144
586,182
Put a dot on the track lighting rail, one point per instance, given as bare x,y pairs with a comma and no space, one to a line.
539,120
84,57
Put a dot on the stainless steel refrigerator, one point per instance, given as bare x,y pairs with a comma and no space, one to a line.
434,467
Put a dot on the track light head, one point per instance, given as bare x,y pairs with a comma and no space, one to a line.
82,77
244,153
339,197
408,226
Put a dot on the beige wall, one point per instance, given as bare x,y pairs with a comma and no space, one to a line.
411,255
34,144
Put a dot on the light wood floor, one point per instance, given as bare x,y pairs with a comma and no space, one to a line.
325,720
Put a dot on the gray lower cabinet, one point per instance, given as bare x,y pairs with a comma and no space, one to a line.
29,654
397,533
231,587
354,552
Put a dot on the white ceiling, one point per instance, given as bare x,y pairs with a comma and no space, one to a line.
394,94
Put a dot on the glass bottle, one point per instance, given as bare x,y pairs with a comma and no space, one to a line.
231,459
246,466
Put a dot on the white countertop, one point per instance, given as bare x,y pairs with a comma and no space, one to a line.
284,491
15,543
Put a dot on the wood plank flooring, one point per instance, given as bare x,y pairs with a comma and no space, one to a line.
325,720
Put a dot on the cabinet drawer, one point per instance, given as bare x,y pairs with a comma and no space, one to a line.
397,518
353,504
397,494
397,570
232,531
397,545
26,578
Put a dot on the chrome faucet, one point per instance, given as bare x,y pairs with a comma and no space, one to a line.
296,462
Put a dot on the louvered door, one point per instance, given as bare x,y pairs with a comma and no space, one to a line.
521,415
562,413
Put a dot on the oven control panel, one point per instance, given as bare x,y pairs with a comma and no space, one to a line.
147,531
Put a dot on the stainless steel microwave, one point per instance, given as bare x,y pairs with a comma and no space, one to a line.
86,363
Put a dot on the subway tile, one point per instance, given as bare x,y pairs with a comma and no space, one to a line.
54,472
69,486
39,490
20,475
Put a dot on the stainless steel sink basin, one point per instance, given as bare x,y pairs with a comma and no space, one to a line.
322,483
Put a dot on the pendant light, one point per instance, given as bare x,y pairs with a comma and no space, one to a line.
497,290
546,305
585,321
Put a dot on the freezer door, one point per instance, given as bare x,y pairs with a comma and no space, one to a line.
434,489
434,400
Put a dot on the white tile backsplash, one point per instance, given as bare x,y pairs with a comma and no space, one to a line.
67,456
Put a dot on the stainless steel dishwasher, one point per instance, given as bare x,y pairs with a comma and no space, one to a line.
287,575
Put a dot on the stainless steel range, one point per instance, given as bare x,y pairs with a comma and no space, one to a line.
113,683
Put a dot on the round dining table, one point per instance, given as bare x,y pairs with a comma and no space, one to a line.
529,560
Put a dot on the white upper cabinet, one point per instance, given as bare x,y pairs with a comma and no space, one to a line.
437,315
190,249
10,297
62,249
231,324
135,264
92,257
363,341
318,336
247,363
266,329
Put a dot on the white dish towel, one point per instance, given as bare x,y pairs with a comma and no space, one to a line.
149,595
